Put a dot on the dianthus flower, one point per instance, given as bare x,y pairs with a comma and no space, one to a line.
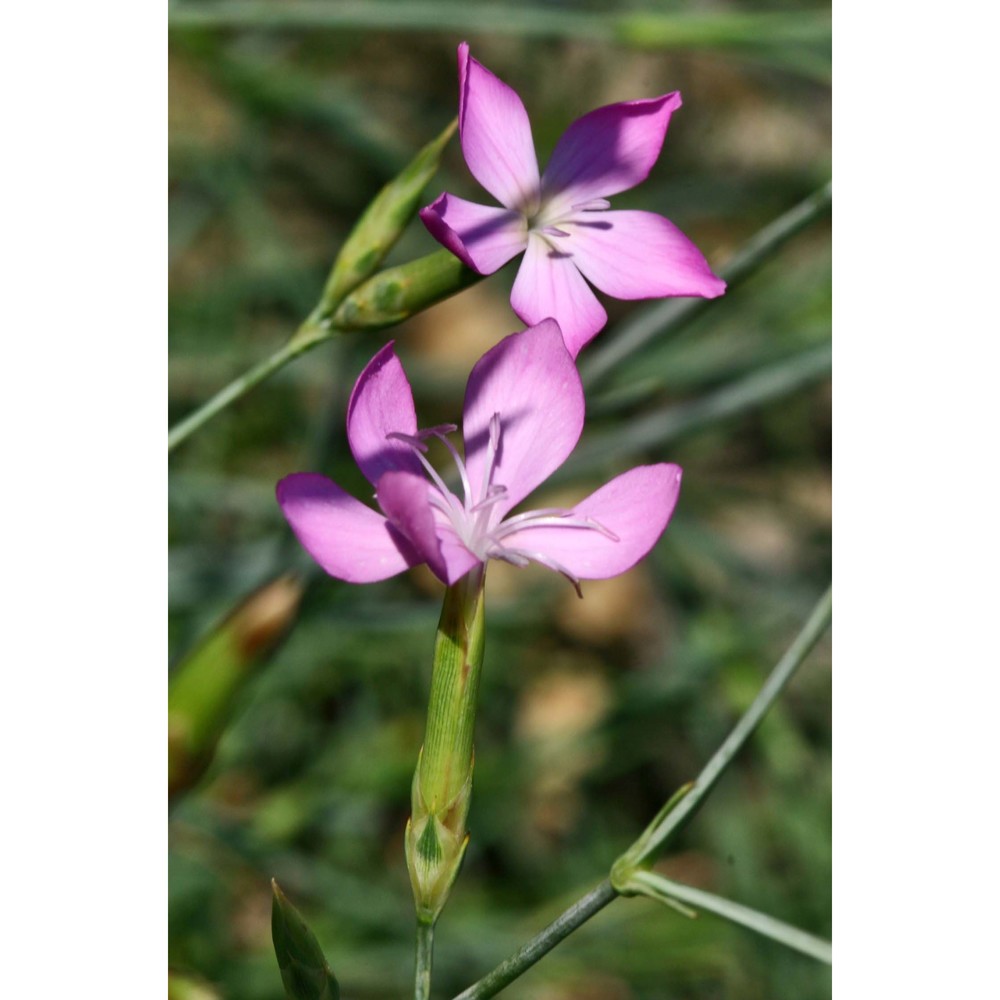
561,220
523,415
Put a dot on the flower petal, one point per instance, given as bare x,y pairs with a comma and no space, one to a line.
349,540
608,150
530,380
405,499
549,284
634,506
481,236
382,403
640,255
496,136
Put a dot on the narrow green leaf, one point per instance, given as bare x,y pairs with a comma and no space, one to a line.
205,688
655,838
304,970
655,886
383,222
656,429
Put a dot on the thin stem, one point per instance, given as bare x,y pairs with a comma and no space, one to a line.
664,317
240,386
522,960
657,886
581,911
425,958
813,629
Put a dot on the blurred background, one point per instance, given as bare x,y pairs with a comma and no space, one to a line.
285,120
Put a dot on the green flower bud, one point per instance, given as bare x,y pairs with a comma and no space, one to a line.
400,292
383,222
206,686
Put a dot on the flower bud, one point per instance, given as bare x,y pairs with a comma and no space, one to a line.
206,686
383,222
400,292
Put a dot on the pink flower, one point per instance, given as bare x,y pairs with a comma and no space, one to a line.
523,416
561,219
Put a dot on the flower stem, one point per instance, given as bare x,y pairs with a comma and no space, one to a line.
653,840
669,819
307,337
525,957
425,958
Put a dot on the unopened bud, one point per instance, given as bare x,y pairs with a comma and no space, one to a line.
205,688
400,292
383,222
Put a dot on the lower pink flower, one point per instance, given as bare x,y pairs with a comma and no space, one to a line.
523,416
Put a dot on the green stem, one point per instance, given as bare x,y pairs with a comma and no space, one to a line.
581,911
653,840
425,958
522,960
307,337
655,885
667,316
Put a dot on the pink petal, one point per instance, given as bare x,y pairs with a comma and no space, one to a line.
639,255
634,506
457,558
496,136
349,540
530,379
482,237
382,403
549,284
405,499
608,150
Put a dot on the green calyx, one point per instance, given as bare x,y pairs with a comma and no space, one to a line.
436,836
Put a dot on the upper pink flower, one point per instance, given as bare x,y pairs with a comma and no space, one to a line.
523,416
561,219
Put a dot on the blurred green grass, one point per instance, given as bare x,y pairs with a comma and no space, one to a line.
592,712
